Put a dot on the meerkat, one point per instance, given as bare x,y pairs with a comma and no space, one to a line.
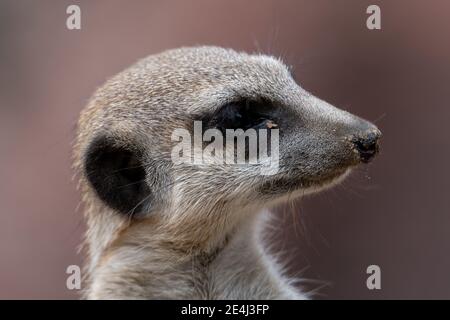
159,230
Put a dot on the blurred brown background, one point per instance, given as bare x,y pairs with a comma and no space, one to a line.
393,213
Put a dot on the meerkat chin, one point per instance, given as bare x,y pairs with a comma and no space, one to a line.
189,228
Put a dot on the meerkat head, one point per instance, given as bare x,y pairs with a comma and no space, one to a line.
181,101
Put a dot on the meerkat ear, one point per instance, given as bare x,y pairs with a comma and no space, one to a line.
117,175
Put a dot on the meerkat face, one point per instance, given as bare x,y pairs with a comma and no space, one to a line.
181,101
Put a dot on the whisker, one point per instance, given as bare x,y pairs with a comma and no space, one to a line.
380,117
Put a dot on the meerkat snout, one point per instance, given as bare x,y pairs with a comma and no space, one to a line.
168,215
367,144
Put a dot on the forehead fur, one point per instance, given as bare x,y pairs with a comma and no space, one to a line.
193,74
163,89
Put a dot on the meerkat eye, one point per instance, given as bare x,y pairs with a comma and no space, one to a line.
244,115
117,175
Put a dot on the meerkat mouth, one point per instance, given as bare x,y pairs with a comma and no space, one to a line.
287,185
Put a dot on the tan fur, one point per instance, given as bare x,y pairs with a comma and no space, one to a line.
200,237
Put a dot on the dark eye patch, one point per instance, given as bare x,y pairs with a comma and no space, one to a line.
243,114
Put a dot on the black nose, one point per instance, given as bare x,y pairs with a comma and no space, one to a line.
367,145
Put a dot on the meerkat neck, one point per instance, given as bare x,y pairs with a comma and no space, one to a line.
150,261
